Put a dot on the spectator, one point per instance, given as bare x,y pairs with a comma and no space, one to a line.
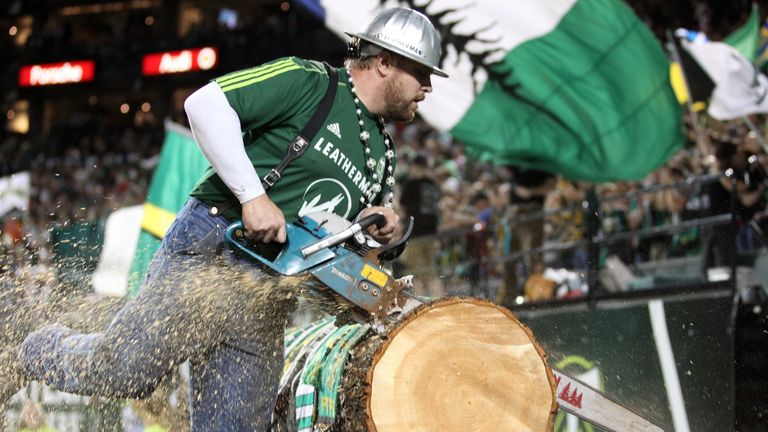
420,198
477,243
663,207
12,229
620,213
526,198
748,179
566,224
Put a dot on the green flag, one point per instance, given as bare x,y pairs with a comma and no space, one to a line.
745,38
181,166
577,87
590,99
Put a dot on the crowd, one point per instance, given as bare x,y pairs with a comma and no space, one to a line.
481,229
716,18
500,225
85,171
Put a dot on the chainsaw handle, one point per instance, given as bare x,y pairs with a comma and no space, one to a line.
235,231
377,219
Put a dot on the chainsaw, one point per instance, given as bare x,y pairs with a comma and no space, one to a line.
341,257
338,255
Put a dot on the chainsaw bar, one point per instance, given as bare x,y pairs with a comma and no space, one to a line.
591,405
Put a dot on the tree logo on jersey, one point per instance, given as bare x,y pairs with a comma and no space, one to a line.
326,195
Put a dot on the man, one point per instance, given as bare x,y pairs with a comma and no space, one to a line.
719,247
420,198
526,200
229,322
477,243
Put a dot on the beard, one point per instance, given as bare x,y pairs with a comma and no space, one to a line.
397,108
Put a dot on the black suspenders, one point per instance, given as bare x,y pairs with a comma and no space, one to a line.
299,145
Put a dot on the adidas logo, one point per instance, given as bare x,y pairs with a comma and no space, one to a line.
335,129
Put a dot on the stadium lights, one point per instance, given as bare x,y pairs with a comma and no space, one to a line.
18,117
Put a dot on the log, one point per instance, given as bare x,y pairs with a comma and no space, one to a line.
457,364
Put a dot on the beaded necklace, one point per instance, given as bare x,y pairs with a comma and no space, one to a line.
370,164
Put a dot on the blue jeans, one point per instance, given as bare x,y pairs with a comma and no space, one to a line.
197,304
748,239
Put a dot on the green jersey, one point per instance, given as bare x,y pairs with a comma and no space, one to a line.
274,101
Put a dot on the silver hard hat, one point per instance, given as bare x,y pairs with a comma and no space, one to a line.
405,32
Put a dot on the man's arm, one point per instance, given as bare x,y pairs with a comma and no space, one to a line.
216,128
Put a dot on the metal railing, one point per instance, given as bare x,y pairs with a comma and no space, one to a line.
593,244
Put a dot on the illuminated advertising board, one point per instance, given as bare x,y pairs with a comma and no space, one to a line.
56,73
188,60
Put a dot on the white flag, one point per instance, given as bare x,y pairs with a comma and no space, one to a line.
121,234
14,192
740,89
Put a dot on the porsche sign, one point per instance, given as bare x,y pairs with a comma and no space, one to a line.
56,73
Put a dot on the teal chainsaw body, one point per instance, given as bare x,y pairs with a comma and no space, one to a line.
336,253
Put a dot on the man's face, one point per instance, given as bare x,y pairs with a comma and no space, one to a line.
405,88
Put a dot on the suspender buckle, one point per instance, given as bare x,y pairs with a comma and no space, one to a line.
299,143
271,178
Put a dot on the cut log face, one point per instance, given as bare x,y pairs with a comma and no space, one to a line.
460,364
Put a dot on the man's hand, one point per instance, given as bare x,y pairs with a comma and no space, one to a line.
386,232
263,220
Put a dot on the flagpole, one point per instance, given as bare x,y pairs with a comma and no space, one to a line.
700,136
753,128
